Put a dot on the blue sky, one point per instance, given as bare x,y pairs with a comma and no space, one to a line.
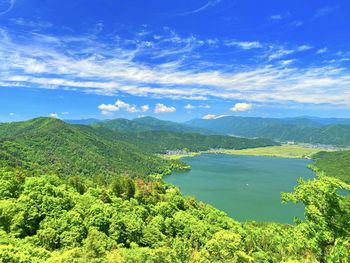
175,60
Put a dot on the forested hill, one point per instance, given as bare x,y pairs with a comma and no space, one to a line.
304,130
335,164
162,141
53,146
148,124
49,144
52,211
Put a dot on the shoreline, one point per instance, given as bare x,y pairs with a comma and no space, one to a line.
283,151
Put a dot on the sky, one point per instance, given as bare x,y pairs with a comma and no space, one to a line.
174,60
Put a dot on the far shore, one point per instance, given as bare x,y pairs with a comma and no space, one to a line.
283,151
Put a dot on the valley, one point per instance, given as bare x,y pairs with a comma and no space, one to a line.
100,194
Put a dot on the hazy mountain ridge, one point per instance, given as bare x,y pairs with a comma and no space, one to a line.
290,129
148,124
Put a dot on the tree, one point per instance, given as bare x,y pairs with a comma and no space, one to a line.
327,212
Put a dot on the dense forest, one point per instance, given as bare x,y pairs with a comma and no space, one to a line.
162,141
306,130
71,193
52,146
47,218
336,164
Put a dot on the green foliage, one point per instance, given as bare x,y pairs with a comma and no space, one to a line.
327,213
50,219
51,146
335,164
162,141
67,194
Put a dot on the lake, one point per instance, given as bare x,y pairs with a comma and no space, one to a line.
245,187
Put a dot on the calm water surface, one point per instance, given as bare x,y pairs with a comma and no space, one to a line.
245,187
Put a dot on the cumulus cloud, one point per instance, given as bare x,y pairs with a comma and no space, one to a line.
144,108
107,109
54,115
189,107
161,108
241,106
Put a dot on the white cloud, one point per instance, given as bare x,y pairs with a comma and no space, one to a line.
242,106
327,10
144,108
189,107
161,108
304,48
296,23
30,23
209,117
54,115
210,3
47,62
9,4
276,17
204,106
245,44
279,16
12,114
213,117
107,109
322,50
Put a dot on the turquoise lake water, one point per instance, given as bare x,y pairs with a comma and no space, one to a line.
245,187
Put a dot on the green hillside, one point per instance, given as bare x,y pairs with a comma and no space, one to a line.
148,124
336,164
292,129
50,145
52,211
162,141
45,218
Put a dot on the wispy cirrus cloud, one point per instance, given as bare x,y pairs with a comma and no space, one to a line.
279,16
245,44
36,24
325,11
6,6
83,63
209,4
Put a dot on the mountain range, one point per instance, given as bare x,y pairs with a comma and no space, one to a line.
303,130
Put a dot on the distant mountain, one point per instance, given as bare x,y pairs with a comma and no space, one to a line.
83,121
148,124
53,146
330,121
289,129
